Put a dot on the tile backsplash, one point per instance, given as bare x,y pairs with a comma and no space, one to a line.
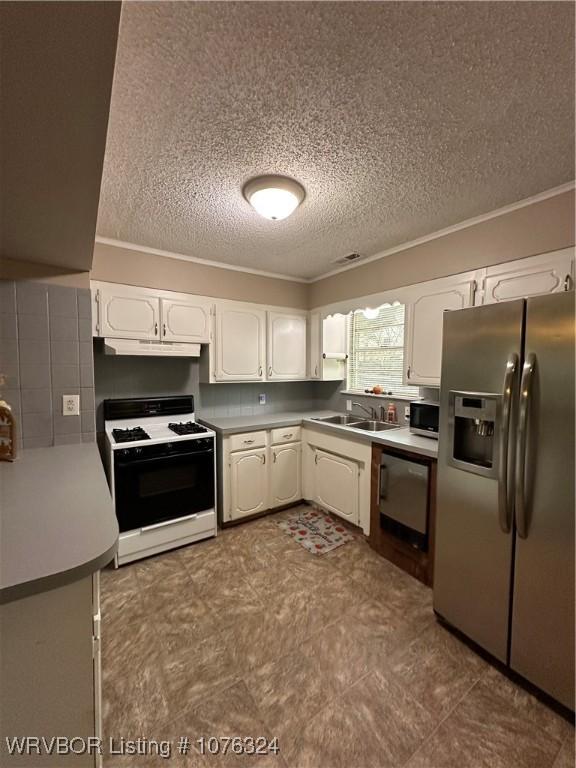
148,376
45,353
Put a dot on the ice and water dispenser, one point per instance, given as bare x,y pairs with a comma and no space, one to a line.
473,431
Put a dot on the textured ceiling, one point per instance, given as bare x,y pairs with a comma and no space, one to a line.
399,118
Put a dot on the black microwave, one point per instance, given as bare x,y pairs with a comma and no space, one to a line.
424,418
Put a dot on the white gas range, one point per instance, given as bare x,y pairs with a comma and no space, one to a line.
161,469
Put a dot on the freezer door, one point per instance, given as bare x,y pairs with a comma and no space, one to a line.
542,634
473,548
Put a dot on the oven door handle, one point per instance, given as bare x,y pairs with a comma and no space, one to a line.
164,523
136,462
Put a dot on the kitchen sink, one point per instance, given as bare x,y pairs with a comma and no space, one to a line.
373,426
344,419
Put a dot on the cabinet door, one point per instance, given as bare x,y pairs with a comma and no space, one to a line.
327,337
285,469
286,346
529,277
314,345
128,313
248,483
186,319
423,331
336,485
240,347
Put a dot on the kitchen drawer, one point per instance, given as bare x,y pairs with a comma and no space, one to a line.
285,435
248,440
147,541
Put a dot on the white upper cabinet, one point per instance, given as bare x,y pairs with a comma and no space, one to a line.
186,319
286,346
549,273
240,342
423,328
126,312
327,346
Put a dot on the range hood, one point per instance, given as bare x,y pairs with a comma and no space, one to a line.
150,348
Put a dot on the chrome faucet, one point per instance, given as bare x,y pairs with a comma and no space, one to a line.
370,411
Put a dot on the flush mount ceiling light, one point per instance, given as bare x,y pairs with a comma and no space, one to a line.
274,197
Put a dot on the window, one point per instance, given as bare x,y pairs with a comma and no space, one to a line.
377,351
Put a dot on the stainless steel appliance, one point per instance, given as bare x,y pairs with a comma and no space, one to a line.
403,499
161,470
504,548
424,418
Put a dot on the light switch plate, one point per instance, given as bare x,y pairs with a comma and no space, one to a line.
262,399
348,405
70,405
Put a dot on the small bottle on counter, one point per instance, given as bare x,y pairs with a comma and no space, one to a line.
7,429
391,415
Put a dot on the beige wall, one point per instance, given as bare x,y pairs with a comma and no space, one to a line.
537,228
123,265
11,269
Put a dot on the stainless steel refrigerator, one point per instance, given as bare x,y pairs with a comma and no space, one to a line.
504,550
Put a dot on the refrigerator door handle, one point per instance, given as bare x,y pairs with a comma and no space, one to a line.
525,398
505,498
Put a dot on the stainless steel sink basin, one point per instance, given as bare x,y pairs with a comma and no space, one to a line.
373,426
344,419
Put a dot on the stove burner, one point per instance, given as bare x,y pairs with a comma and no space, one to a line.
188,428
130,435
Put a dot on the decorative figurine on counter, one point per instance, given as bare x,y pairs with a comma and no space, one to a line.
391,414
7,429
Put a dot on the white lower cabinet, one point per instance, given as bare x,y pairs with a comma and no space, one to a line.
248,483
285,474
336,484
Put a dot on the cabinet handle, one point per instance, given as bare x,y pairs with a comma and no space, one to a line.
287,437
263,458
269,370
274,456
316,371
259,370
408,372
315,458
155,329
163,329
248,442
567,282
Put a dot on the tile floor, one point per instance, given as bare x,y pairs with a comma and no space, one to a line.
338,656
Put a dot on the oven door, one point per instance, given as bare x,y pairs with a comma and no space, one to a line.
153,488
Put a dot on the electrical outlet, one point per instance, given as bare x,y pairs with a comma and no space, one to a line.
70,405
262,399
407,411
348,405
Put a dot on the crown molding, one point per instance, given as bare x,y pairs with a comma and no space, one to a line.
376,257
196,260
449,230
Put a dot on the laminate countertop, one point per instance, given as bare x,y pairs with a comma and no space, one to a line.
401,438
57,520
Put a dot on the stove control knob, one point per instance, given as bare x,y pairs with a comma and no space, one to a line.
138,450
126,452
